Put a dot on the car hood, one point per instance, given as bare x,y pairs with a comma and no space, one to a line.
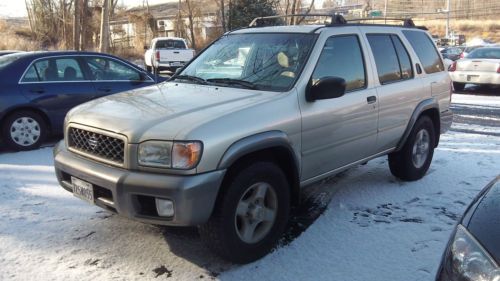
484,223
162,111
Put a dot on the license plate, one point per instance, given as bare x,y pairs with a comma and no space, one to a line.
176,64
472,78
83,190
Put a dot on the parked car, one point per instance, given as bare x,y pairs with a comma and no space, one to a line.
167,53
228,142
469,49
481,66
39,88
473,252
452,53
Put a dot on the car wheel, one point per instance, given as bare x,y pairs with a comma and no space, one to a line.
413,160
24,130
250,215
458,86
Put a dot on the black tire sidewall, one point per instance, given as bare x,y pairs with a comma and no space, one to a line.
425,123
238,250
19,114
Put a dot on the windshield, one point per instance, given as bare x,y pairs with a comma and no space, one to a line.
8,59
266,61
485,53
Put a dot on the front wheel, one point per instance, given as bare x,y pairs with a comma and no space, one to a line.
413,160
24,130
250,215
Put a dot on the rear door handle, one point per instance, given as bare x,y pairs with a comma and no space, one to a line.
371,99
37,90
106,90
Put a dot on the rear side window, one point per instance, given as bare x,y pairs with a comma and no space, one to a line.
54,70
342,57
392,59
425,49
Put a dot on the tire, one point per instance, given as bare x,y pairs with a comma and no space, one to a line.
225,233
406,164
458,86
24,130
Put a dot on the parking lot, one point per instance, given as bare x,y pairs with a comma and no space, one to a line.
360,225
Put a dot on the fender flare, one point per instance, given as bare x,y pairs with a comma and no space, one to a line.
430,103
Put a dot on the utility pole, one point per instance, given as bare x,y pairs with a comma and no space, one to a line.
448,19
385,9
104,42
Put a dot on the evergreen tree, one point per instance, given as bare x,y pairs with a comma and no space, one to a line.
242,12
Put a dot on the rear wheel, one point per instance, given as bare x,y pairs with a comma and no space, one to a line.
250,214
24,130
457,86
413,160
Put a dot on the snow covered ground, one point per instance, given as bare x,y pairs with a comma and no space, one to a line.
375,227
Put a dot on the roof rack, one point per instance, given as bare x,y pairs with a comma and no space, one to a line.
336,20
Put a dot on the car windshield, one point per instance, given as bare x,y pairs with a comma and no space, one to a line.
485,53
8,59
170,44
263,61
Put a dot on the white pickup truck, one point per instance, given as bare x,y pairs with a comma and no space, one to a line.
167,53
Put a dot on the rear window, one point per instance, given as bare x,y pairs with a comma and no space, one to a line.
485,53
426,51
170,44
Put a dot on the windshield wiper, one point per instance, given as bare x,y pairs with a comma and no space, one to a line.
196,79
231,81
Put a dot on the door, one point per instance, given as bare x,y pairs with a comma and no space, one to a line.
398,90
112,76
56,84
339,131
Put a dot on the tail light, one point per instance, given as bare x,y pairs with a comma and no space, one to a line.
453,67
498,69
157,55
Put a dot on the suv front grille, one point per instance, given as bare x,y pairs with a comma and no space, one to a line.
97,145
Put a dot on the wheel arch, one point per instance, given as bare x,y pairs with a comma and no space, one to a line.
39,111
430,108
272,146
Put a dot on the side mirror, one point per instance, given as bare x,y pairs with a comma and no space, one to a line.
326,88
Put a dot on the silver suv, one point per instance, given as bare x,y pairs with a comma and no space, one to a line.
228,143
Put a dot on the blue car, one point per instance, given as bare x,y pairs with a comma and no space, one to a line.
37,89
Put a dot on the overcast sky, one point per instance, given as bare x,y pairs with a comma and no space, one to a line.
17,8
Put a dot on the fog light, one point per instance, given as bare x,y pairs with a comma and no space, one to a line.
164,207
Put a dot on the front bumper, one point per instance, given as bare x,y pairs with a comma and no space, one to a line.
131,193
475,77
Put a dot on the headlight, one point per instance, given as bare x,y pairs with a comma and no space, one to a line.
468,261
167,154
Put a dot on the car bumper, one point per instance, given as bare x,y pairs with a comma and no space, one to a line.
475,77
132,194
446,120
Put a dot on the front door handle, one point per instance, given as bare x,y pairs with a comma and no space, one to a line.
371,99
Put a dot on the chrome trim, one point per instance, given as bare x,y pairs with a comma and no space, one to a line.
106,202
126,161
80,81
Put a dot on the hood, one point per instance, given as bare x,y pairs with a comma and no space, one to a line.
162,111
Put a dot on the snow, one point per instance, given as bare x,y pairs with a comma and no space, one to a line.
375,227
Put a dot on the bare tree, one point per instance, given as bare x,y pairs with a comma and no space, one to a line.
76,25
190,9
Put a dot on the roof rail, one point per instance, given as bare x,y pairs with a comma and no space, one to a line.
260,21
336,19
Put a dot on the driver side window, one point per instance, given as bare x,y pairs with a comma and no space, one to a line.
342,57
